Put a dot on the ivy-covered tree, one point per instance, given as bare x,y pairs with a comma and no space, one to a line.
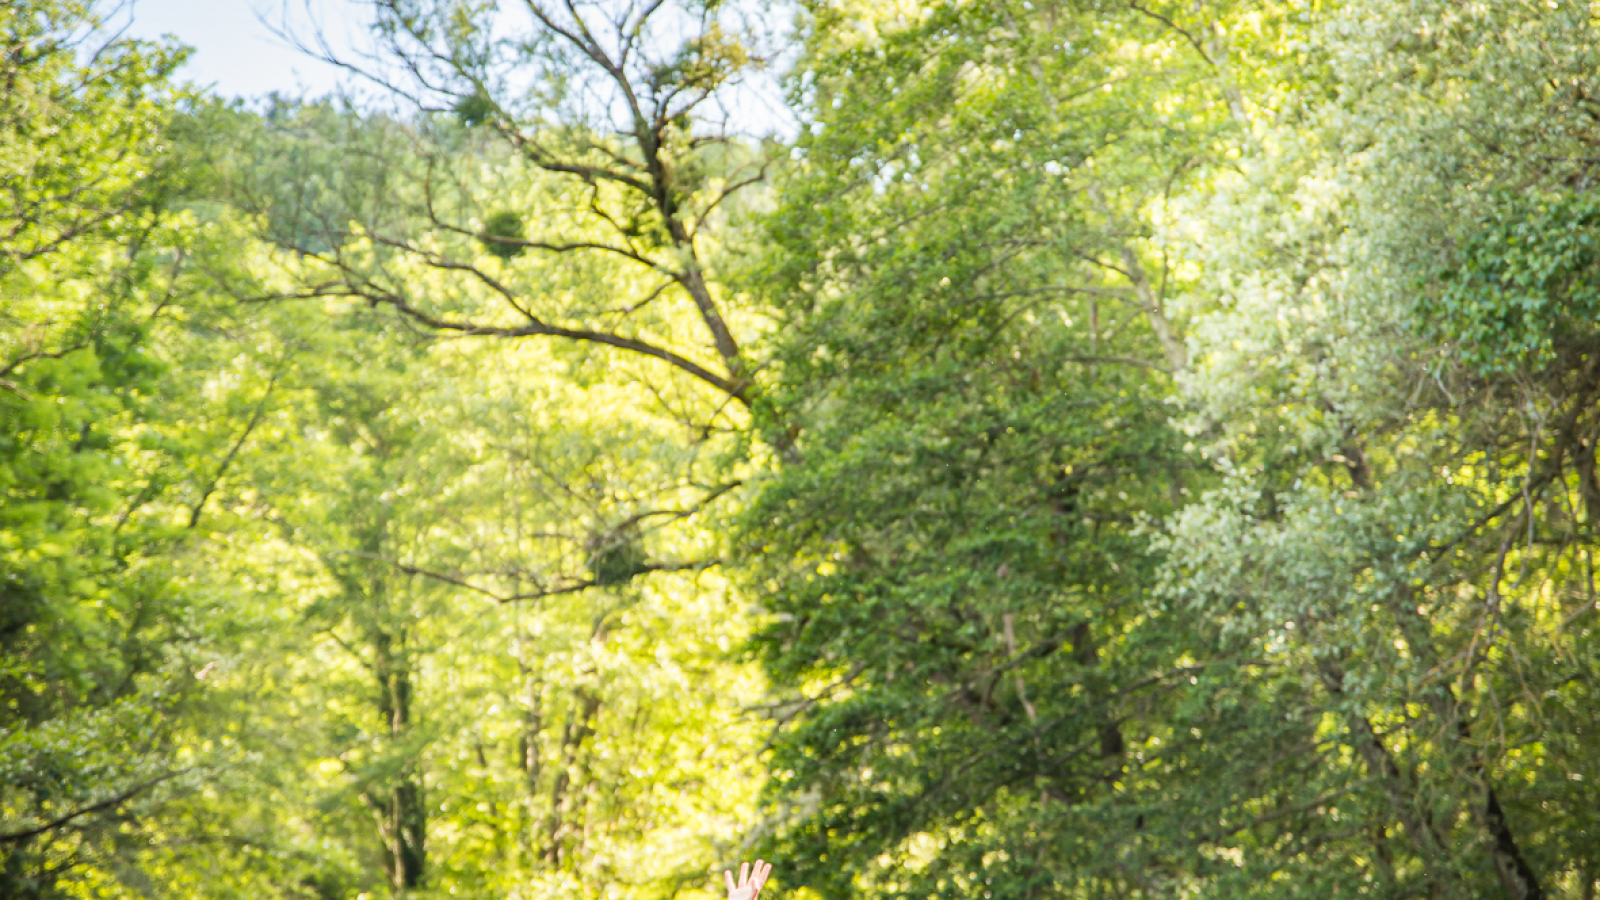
1396,374
1299,616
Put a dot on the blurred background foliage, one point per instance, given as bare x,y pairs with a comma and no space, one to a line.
1108,449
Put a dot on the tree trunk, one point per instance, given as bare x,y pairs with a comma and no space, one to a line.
406,820
1517,877
578,730
1396,785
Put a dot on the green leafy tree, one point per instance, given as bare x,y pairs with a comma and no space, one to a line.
289,610
972,272
88,603
1395,376
621,107
114,437
509,668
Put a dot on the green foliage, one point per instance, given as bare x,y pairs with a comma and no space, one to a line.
617,560
1141,450
977,362
475,109
103,633
705,61
1296,677
1403,518
297,604
1521,283
503,234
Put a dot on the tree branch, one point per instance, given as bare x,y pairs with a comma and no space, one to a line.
535,328
108,803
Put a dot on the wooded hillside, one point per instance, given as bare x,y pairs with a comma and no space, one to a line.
1107,449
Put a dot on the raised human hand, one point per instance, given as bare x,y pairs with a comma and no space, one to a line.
750,880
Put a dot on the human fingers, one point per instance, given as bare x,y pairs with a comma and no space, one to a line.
763,868
728,877
744,874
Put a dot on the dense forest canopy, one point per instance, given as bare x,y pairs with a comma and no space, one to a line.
1108,449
